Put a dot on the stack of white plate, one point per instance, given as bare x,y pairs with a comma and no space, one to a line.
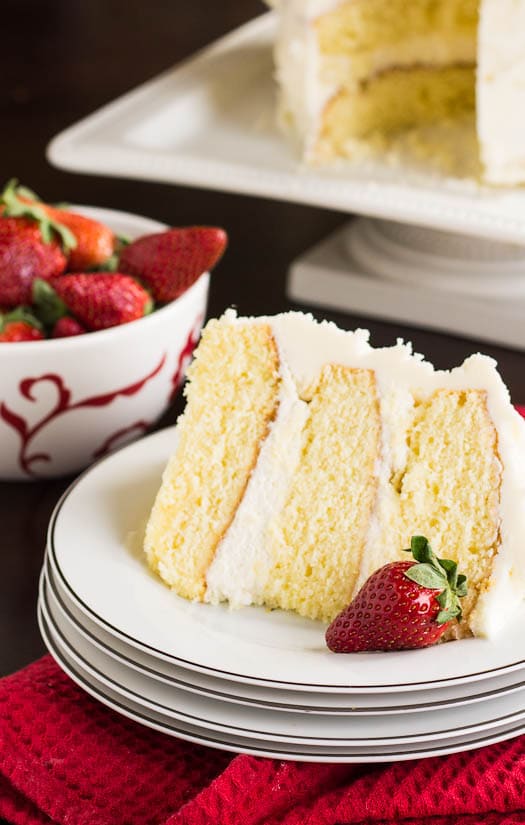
252,680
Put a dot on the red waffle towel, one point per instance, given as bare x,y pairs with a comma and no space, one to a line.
65,758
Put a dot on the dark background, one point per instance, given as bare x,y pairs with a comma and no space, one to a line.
59,61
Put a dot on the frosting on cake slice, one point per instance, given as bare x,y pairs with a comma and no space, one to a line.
307,459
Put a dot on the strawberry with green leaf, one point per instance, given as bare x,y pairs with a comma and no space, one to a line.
27,251
403,605
95,242
52,312
87,243
19,325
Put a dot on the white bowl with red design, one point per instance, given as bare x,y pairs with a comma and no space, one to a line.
66,402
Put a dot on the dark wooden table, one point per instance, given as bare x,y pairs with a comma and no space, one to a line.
60,61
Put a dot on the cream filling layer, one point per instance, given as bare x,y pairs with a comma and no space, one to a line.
241,564
432,51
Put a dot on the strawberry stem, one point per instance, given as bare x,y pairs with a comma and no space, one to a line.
21,313
48,305
437,574
14,207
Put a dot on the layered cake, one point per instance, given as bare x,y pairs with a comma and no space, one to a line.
306,459
353,71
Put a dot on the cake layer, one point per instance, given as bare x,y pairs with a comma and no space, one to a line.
232,399
359,39
317,540
364,25
393,101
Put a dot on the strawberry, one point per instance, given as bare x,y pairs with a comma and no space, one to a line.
403,605
19,325
95,241
168,263
25,255
17,331
89,243
102,299
66,327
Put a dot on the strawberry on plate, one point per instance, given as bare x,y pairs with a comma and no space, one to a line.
19,325
102,299
168,263
403,605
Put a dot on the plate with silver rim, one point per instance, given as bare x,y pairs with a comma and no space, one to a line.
242,693
271,723
259,747
94,546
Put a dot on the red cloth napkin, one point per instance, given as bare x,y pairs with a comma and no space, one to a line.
65,758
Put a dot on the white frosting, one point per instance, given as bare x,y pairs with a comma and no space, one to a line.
297,62
501,90
241,564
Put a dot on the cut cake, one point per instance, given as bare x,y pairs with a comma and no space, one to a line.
306,459
350,71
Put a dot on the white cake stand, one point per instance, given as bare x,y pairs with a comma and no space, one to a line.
433,251
423,277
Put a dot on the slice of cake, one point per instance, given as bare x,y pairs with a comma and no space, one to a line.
306,459
234,399
353,73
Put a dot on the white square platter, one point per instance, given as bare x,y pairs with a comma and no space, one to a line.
211,123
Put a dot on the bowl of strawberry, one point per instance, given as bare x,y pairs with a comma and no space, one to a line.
100,311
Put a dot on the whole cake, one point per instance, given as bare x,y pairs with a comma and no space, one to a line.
352,70
306,459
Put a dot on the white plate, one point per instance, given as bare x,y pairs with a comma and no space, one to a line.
94,544
238,744
271,698
273,725
211,122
